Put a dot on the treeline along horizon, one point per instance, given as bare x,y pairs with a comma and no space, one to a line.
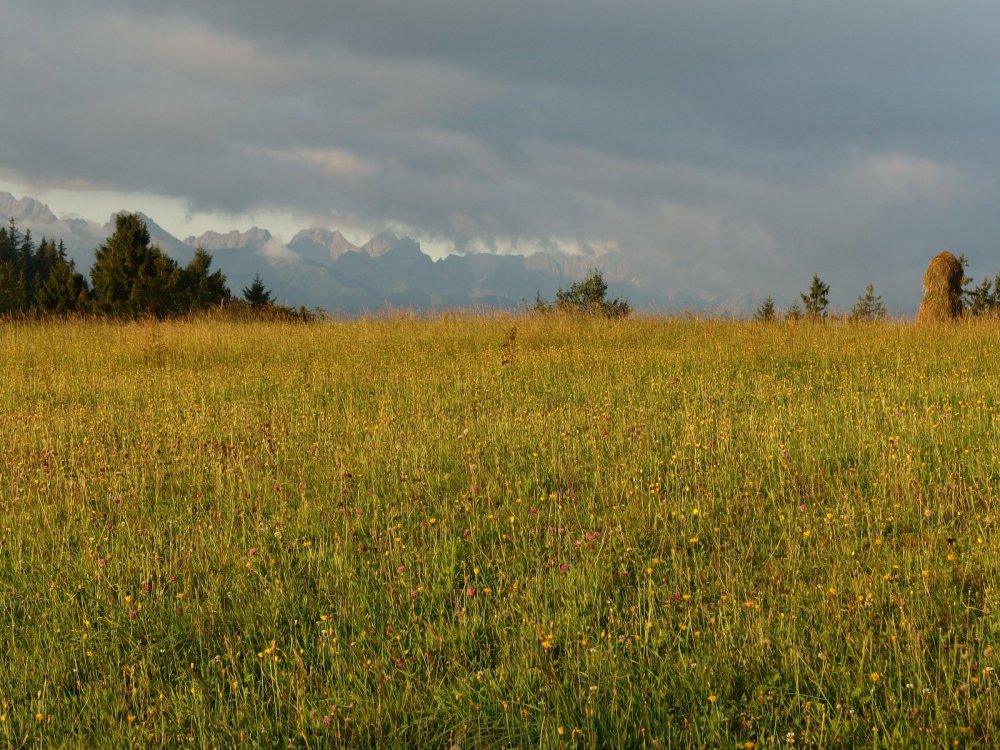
130,277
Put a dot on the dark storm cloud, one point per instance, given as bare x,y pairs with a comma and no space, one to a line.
724,146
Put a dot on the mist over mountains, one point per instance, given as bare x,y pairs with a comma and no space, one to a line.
321,268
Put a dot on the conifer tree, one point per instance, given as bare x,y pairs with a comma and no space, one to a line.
132,277
767,311
13,296
64,291
869,306
979,299
39,266
257,295
13,292
8,243
25,256
967,281
201,288
817,299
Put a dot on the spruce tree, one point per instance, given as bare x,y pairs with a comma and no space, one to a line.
869,306
13,295
201,288
65,290
8,243
132,277
979,299
13,290
967,281
767,311
25,258
257,295
817,299
39,267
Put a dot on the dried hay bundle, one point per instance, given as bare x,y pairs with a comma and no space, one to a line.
942,290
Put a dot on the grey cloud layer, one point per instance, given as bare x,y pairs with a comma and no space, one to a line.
730,146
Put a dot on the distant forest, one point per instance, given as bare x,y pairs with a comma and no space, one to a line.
130,278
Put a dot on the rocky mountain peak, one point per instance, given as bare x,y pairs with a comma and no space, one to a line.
27,210
217,241
380,244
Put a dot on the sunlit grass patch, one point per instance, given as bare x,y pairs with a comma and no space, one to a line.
498,531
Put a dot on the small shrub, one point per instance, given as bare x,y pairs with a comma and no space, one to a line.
588,297
869,306
767,312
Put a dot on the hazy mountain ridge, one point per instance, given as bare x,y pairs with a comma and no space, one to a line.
321,245
26,209
322,268
211,240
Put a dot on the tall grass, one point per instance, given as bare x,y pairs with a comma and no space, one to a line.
498,531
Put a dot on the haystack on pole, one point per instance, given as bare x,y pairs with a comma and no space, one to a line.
942,301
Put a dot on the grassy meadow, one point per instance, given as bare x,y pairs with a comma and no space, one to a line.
499,532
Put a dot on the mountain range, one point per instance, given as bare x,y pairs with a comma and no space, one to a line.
320,268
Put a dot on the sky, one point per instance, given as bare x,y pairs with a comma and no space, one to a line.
720,146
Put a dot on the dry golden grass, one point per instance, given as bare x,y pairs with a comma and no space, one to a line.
497,531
